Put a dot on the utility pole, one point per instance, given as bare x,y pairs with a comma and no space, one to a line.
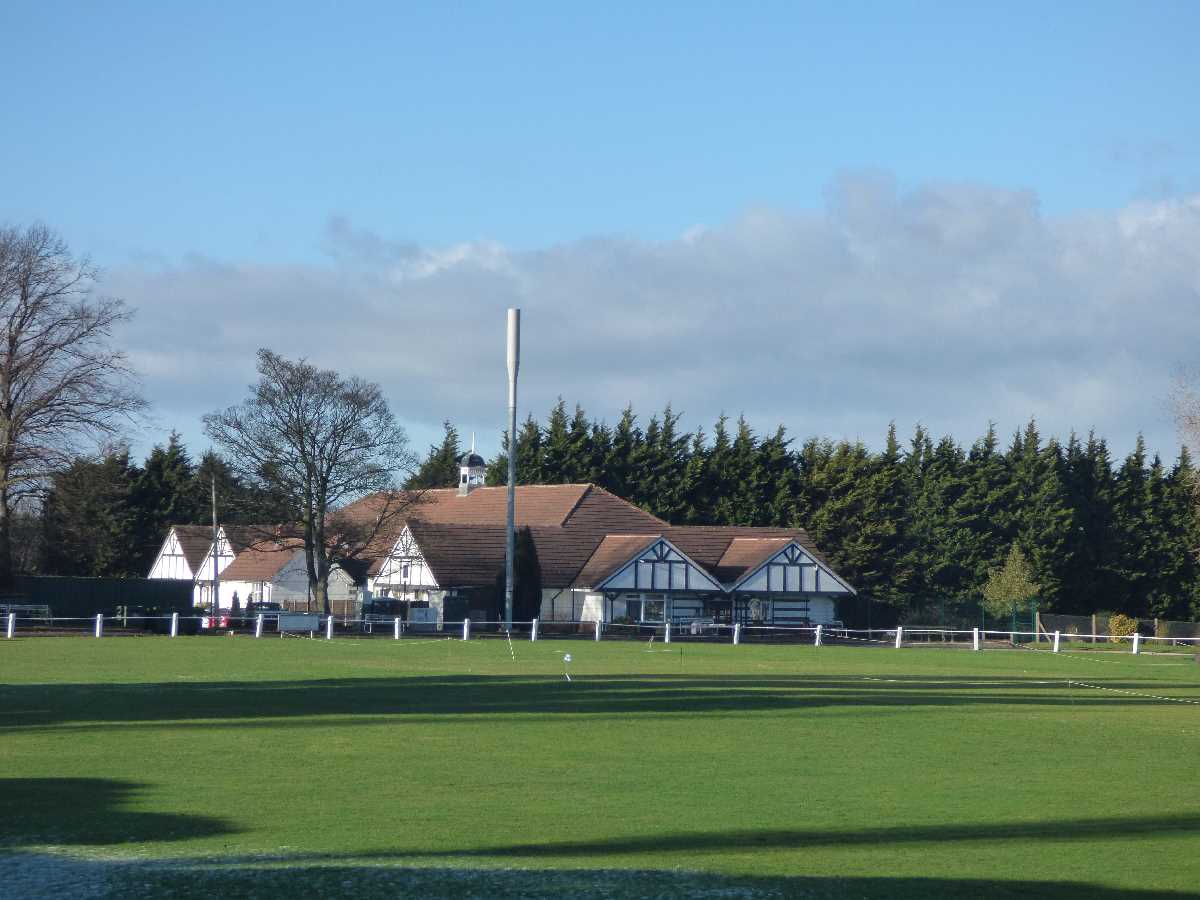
514,363
216,547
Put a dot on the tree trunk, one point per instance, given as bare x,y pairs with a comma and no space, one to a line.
6,559
321,594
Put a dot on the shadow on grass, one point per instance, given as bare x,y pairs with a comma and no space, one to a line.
242,702
802,839
88,812
56,877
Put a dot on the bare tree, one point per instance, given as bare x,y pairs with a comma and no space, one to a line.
62,385
1185,405
320,441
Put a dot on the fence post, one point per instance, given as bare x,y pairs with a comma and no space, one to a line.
1137,640
99,624
737,633
974,638
667,634
396,629
174,624
817,642
466,629
899,635
597,629
329,628
258,624
1056,635
12,625
1093,628
533,631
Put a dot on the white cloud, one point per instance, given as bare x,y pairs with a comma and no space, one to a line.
951,305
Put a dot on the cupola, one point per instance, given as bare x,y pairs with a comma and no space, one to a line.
472,470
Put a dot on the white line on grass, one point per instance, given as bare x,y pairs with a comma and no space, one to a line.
1097,687
923,682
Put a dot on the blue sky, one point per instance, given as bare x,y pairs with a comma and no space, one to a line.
166,140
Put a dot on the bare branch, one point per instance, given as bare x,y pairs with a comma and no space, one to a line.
321,441
62,386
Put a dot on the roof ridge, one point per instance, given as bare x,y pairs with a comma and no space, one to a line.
574,506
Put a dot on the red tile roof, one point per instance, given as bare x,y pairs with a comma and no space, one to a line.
261,562
726,552
195,542
582,534
614,552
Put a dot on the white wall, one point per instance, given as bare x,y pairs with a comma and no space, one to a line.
290,584
244,589
171,563
405,567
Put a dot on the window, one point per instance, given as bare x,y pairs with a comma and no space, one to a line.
653,608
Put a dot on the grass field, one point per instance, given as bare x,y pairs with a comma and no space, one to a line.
211,766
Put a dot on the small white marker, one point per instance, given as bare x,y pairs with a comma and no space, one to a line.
566,659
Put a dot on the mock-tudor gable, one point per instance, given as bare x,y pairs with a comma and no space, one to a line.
406,565
655,565
791,569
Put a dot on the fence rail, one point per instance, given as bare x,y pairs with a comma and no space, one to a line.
32,624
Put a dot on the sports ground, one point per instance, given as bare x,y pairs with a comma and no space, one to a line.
209,766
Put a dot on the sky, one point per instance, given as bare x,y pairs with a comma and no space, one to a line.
828,217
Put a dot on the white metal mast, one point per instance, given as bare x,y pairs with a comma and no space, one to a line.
514,363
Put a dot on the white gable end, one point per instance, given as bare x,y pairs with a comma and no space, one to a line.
405,566
660,567
171,563
224,557
792,571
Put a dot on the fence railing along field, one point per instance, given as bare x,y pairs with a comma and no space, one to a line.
32,622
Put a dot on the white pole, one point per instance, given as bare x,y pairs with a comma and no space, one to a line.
12,625
258,624
667,634
99,624
1056,635
737,633
514,364
817,643
216,546
174,624
1137,640
466,629
396,629
597,629
899,635
974,638
533,631
329,629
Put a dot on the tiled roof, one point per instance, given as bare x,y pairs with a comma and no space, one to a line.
582,534
568,521
461,555
195,541
708,544
536,504
745,553
241,537
473,555
726,552
614,551
260,562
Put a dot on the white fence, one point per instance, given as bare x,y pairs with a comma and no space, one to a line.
17,626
